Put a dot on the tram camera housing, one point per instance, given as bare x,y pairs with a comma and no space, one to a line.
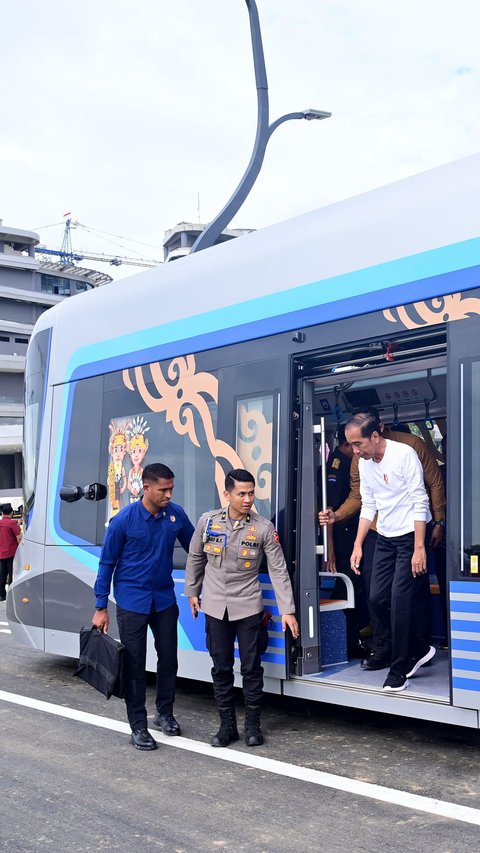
92,492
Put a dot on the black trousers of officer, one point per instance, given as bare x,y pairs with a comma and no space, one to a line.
398,603
252,638
133,634
6,573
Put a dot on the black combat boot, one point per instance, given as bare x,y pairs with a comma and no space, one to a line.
253,734
228,731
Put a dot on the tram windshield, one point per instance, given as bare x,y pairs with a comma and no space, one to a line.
36,371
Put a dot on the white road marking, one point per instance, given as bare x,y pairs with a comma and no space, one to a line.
5,631
439,808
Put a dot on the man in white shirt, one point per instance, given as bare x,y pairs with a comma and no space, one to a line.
392,484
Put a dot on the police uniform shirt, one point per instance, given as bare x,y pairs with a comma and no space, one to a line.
338,478
338,489
223,564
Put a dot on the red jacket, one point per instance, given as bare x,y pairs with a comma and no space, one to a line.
9,530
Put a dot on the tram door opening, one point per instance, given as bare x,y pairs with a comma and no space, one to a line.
410,397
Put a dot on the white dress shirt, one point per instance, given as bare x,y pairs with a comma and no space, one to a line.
394,487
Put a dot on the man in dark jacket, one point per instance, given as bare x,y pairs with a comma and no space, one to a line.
341,537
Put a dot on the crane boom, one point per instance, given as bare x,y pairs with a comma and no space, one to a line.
113,260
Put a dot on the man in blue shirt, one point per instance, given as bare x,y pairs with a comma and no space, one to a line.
138,554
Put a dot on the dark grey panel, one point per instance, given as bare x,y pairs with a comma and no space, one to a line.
29,612
69,603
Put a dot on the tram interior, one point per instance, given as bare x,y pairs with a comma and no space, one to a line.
413,399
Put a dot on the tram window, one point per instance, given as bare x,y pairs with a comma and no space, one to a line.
138,437
255,446
36,370
82,461
434,434
125,420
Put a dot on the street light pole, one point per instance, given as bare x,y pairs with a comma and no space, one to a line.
264,131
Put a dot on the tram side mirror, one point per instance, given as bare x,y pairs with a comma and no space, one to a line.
70,494
92,492
95,492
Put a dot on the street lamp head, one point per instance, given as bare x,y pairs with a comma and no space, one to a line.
310,115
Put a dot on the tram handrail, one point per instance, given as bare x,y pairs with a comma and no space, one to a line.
339,604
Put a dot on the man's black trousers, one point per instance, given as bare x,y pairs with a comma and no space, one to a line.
6,572
252,638
133,634
398,603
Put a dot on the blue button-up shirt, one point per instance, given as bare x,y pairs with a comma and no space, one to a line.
138,553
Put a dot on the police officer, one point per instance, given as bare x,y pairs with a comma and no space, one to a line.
341,537
225,556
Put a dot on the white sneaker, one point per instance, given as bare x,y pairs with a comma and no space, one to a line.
417,663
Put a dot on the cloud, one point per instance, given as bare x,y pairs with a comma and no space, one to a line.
123,114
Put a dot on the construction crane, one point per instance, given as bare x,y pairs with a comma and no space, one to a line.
68,256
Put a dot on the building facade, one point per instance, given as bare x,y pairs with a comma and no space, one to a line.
179,240
28,287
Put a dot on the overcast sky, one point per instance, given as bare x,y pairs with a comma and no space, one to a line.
125,113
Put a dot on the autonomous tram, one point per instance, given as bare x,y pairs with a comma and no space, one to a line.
250,354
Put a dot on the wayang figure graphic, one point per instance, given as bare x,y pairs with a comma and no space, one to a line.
117,478
137,449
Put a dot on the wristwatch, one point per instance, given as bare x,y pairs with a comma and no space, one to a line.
99,609
439,523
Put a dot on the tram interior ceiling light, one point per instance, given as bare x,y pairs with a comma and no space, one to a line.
346,368
92,492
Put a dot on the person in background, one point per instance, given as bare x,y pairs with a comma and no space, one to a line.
138,553
10,537
341,537
225,557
